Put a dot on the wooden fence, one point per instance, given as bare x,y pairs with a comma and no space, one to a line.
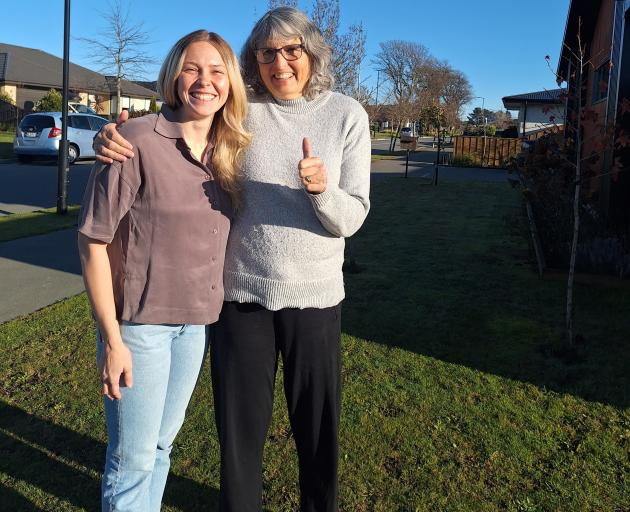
485,151
495,151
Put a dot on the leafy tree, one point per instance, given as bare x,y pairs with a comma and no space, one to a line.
51,102
479,117
6,98
153,104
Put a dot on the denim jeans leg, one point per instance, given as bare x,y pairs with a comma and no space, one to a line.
187,354
133,422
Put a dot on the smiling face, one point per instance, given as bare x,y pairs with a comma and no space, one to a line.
285,79
203,86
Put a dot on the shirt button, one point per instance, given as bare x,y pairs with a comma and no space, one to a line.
215,231
214,258
213,287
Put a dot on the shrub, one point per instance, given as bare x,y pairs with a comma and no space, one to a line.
138,113
51,102
153,104
6,98
464,161
550,178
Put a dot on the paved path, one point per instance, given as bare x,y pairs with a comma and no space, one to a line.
38,271
426,169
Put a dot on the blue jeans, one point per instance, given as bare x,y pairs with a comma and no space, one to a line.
141,426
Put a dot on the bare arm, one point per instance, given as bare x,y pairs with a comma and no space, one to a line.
109,145
116,362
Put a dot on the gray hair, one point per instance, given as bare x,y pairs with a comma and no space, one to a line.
286,23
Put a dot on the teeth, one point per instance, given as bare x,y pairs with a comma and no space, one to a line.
283,76
203,96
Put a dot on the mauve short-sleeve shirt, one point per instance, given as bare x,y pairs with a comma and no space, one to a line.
166,220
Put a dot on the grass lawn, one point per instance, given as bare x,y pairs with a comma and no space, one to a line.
19,225
458,395
6,144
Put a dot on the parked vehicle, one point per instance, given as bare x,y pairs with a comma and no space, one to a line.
80,108
407,135
39,134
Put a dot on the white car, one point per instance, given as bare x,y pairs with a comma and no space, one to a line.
406,135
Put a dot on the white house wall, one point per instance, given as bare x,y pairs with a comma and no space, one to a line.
539,117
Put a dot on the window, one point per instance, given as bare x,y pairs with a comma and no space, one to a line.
600,82
37,123
80,122
97,123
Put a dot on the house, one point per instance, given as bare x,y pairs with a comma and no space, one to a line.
603,26
537,110
26,75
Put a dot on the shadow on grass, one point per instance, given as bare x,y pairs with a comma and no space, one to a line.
445,272
62,463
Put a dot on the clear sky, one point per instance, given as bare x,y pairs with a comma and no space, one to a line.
499,44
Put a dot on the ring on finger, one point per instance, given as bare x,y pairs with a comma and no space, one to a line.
308,179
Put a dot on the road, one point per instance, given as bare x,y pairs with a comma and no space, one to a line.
28,187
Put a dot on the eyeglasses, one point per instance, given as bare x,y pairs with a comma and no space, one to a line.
289,52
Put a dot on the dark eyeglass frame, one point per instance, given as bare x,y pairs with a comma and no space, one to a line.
283,50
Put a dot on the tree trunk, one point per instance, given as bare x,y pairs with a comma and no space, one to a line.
576,206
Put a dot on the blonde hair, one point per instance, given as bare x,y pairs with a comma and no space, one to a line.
227,132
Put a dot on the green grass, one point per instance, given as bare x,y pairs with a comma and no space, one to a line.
458,394
20,225
385,157
6,144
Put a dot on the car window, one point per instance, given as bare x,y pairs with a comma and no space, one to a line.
80,122
97,122
37,123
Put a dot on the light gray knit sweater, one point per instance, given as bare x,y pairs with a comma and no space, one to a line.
286,246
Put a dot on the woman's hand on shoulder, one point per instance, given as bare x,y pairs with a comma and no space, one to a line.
109,145
312,170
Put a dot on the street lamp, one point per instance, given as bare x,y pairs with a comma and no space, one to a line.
62,162
485,120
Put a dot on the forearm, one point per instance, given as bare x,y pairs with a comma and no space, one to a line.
341,213
97,277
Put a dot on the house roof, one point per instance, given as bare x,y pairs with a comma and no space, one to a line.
553,96
584,11
29,66
129,88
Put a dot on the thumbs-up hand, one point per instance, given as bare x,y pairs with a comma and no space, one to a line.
312,170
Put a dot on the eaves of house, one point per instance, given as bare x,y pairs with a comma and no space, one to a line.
32,67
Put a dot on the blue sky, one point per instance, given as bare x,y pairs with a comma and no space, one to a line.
499,44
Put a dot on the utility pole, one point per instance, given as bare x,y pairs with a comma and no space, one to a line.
62,160
485,119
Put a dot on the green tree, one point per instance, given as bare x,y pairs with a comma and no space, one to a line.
50,103
153,104
5,97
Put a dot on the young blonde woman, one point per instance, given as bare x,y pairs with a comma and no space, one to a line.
152,238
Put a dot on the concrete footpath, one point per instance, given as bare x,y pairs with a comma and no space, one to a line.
40,270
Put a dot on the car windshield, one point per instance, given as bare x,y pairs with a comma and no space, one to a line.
37,123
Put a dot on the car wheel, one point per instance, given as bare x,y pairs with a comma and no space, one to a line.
73,153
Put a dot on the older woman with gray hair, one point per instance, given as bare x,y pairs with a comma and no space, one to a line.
305,186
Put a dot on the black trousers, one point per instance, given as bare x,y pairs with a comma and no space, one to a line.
245,347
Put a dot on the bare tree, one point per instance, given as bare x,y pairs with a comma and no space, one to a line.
406,67
120,49
348,48
454,94
282,3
